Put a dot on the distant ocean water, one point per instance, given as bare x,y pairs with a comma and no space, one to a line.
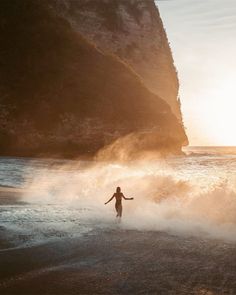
193,194
210,150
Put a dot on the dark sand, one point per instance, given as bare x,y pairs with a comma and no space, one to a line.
10,196
118,262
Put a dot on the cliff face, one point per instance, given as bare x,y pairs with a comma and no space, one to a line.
133,30
59,94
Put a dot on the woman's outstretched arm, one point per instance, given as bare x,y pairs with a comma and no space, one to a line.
127,198
110,199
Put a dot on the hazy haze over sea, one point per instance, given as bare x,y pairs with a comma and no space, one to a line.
193,195
201,35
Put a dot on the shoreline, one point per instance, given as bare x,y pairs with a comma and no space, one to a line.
120,262
11,196
116,261
86,157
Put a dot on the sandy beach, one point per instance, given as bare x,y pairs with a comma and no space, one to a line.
116,261
117,147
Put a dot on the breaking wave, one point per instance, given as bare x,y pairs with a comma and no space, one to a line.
181,196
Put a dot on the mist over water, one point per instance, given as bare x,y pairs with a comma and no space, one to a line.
192,195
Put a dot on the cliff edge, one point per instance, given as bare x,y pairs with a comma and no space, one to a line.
60,95
132,30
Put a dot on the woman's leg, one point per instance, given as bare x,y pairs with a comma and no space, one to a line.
119,213
118,210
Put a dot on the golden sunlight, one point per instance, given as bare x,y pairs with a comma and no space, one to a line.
216,114
220,117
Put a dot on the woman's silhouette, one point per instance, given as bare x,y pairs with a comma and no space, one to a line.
118,195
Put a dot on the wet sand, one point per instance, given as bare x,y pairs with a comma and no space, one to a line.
118,262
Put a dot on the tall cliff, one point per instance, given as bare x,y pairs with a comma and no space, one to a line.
61,95
133,30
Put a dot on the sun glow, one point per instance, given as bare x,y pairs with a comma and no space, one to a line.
212,117
201,37
218,114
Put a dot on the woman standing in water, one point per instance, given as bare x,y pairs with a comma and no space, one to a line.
118,195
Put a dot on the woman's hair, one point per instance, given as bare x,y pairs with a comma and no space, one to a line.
118,189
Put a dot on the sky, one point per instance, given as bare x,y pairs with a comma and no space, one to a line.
202,35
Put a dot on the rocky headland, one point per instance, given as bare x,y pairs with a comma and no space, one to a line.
76,76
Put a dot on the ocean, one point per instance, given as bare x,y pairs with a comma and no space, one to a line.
178,235
187,195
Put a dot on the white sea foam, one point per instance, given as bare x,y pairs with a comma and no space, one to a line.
193,196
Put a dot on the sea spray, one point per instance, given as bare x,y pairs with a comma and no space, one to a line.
166,198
